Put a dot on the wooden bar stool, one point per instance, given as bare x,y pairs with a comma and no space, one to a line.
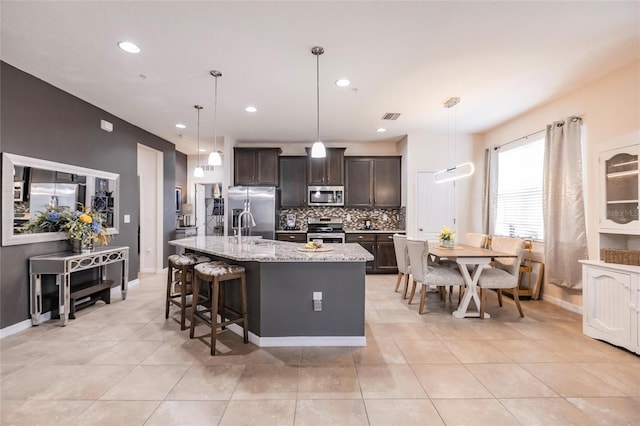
179,279
216,276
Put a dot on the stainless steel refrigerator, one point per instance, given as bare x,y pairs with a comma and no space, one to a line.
261,200
42,195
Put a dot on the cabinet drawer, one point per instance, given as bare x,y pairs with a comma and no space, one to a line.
293,238
360,238
384,237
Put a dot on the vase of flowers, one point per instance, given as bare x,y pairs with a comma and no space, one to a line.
85,228
447,237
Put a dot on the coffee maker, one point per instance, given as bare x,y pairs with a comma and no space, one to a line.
290,222
367,224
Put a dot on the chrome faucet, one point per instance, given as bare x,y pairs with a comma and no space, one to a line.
245,212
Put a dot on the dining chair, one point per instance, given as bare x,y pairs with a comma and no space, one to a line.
504,273
402,260
427,273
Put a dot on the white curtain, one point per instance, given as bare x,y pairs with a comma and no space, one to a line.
490,190
565,239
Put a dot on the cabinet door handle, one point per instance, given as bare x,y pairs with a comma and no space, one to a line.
390,237
359,237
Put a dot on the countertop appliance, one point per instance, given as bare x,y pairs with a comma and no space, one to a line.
325,195
326,229
290,222
261,201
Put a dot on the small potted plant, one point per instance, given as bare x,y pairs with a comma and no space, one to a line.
446,237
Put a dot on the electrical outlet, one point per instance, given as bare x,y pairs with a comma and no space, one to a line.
348,217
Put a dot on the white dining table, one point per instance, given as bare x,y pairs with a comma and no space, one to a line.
465,255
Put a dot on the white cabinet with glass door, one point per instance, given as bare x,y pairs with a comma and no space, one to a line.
619,191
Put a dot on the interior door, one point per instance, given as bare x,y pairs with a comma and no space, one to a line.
436,206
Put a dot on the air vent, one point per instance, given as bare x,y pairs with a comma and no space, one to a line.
391,116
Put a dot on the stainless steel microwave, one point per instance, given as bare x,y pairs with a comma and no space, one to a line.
325,196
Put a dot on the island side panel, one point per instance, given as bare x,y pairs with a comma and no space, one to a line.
286,299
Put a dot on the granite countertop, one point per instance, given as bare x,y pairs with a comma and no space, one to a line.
259,250
348,231
374,231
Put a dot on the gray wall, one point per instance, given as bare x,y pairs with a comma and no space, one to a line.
181,174
39,120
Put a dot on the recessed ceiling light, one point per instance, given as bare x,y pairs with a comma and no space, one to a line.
251,109
127,46
202,150
181,126
381,130
343,82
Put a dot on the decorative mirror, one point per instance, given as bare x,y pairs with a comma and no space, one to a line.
31,185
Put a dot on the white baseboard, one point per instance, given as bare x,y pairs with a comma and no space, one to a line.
266,342
563,304
23,325
46,316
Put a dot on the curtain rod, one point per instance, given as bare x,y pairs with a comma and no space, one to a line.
531,134
519,139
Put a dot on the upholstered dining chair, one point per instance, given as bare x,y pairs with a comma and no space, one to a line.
475,240
402,259
427,273
504,273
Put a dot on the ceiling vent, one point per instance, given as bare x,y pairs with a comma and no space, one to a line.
391,116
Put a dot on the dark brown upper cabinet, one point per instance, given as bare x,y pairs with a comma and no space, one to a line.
328,170
293,182
373,182
256,166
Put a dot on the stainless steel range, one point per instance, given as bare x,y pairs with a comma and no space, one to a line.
325,229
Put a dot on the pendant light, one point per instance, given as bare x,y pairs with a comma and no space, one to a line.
198,171
317,149
214,157
461,170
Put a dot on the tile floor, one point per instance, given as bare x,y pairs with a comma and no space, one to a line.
124,364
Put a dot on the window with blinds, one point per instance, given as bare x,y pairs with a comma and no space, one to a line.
519,209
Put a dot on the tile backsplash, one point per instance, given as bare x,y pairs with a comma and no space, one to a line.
383,219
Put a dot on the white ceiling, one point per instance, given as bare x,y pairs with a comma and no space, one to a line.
501,58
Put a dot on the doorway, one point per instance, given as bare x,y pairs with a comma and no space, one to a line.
150,178
435,205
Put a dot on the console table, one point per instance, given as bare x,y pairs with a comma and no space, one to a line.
62,265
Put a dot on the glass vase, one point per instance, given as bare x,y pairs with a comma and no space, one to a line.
447,243
81,246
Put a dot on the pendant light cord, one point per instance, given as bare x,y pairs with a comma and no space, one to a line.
318,96
215,115
198,107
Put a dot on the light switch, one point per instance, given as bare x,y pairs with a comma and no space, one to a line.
317,295
127,218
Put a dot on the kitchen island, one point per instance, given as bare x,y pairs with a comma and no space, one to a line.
281,282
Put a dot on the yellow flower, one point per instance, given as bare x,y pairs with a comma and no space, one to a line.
85,218
446,234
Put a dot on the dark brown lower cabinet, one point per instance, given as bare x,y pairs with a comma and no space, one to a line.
294,237
381,247
385,254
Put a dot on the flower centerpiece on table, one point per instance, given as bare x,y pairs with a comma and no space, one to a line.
446,236
85,225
